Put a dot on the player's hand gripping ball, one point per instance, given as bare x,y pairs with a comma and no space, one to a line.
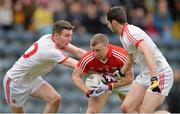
92,81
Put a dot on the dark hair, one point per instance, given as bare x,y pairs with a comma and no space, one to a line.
99,38
60,25
117,13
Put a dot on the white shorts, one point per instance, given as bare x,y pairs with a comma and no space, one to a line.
165,81
122,90
15,94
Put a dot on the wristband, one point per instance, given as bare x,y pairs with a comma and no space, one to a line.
154,78
88,93
110,86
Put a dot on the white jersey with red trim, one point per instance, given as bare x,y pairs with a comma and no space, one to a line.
130,38
37,61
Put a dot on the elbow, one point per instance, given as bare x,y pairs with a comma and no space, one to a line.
74,78
130,79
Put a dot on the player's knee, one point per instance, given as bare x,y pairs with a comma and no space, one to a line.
93,110
55,100
125,108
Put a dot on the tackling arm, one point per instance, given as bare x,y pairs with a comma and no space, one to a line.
79,82
127,79
75,50
70,62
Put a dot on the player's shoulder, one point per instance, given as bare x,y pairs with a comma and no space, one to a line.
115,46
48,48
86,60
132,29
45,37
89,53
45,42
117,49
88,57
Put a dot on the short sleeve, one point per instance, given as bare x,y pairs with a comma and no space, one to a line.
57,55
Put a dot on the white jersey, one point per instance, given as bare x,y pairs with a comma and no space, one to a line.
130,38
37,61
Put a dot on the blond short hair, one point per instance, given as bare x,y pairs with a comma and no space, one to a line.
99,38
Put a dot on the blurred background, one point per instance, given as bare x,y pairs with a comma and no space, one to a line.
22,22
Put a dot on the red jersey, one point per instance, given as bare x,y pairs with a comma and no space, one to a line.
115,59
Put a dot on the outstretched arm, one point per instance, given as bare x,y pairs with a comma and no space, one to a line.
75,50
125,80
79,82
70,62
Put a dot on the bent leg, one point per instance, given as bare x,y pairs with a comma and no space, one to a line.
48,93
95,104
151,102
134,98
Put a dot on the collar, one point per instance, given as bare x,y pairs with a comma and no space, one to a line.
54,42
123,27
52,38
109,54
104,60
